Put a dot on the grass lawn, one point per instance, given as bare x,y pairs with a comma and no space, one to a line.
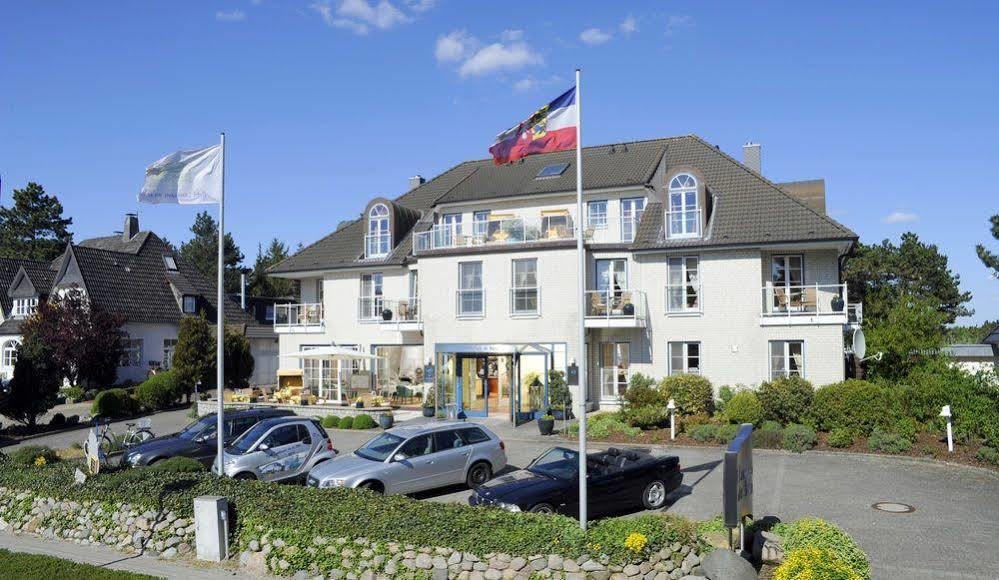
37,566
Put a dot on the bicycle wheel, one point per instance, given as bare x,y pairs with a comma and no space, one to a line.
140,436
107,444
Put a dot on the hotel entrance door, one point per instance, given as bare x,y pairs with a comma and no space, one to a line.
485,384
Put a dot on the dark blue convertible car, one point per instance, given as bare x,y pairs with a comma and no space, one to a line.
617,480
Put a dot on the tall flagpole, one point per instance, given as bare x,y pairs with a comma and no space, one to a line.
581,302
220,331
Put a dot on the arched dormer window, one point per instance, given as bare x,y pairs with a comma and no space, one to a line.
683,215
379,239
8,354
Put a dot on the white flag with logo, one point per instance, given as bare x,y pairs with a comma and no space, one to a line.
186,177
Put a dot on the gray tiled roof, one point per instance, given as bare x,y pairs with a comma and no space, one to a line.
747,208
40,274
117,244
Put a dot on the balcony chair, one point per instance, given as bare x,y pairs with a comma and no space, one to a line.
597,305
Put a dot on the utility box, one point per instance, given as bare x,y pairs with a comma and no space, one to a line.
211,527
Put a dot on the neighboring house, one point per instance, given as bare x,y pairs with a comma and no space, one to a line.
262,309
134,274
695,263
974,358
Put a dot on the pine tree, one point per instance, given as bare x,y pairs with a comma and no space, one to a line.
990,260
202,251
263,285
34,227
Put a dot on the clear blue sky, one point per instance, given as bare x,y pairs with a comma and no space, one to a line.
327,104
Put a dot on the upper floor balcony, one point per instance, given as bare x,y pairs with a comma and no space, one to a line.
603,229
615,309
495,231
808,304
299,318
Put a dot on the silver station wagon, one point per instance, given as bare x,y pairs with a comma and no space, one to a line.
414,458
277,449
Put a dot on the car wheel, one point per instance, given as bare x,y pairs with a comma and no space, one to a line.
654,496
372,486
480,473
244,476
543,508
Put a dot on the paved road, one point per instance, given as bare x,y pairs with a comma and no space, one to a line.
950,535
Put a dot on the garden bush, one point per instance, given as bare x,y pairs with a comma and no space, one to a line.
158,392
815,533
974,399
726,433
770,435
988,455
27,566
604,425
331,422
744,407
113,403
644,532
73,420
799,438
29,455
178,464
704,432
888,441
346,422
813,564
690,422
74,394
693,393
786,399
855,404
648,417
364,421
58,420
840,437
725,394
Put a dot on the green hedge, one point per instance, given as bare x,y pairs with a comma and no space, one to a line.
364,421
158,392
113,403
346,422
604,425
854,404
744,407
840,437
813,533
298,514
786,399
28,566
331,422
799,438
27,456
693,393
178,464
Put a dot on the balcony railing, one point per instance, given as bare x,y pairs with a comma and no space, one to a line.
494,232
402,310
370,307
804,300
604,229
298,315
855,314
377,245
684,298
616,305
683,224
470,303
614,382
525,301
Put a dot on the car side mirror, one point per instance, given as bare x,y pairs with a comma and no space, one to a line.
399,457
263,447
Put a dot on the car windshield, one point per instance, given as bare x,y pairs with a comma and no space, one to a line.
379,448
204,426
245,441
556,463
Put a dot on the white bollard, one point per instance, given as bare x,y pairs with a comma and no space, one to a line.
672,419
945,412
211,527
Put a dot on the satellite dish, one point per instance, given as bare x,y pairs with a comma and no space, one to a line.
859,344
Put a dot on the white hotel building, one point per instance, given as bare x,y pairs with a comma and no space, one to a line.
695,263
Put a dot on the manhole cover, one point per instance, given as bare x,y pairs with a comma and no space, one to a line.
893,507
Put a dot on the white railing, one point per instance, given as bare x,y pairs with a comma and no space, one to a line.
376,245
611,230
401,310
525,301
470,303
855,313
291,315
614,382
615,304
683,224
684,298
804,300
370,307
493,232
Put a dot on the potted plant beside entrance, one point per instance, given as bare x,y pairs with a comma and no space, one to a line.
386,420
428,403
558,395
546,423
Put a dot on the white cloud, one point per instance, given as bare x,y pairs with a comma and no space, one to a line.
512,35
900,217
524,85
360,15
594,36
677,22
455,46
628,25
421,5
230,16
511,53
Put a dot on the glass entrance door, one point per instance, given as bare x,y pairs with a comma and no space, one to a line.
473,384
532,394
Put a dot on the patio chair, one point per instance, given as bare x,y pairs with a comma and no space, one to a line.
782,300
597,305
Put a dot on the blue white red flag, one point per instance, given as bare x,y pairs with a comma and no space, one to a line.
551,128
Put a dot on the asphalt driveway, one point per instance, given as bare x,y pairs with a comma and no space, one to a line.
950,534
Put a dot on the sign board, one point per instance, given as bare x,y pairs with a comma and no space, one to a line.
737,478
572,375
429,374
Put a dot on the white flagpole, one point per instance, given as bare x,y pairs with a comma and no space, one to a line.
220,331
581,301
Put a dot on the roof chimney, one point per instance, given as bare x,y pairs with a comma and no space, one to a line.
131,227
416,181
752,157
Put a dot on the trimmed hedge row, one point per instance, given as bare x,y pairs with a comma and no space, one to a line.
298,514
20,565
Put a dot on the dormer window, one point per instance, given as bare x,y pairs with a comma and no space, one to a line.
379,239
683,216
24,307
170,263
190,304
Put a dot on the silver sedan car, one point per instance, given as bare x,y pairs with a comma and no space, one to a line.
414,458
277,449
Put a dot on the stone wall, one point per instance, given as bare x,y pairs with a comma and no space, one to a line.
206,407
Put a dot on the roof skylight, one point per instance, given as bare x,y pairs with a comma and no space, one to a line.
552,170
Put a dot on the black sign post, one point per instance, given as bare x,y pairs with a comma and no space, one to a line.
737,482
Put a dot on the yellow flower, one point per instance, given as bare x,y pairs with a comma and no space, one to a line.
636,542
40,461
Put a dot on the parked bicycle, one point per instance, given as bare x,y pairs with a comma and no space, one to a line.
134,434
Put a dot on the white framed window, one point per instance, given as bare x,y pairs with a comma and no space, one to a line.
683,284
24,307
371,296
379,239
448,230
787,358
524,291
471,296
190,304
169,348
615,368
684,358
8,353
612,275
480,223
787,274
596,214
631,214
131,354
683,216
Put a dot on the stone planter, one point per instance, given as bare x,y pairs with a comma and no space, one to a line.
546,426
386,421
428,412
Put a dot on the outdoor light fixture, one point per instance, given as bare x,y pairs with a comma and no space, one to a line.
945,412
671,407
